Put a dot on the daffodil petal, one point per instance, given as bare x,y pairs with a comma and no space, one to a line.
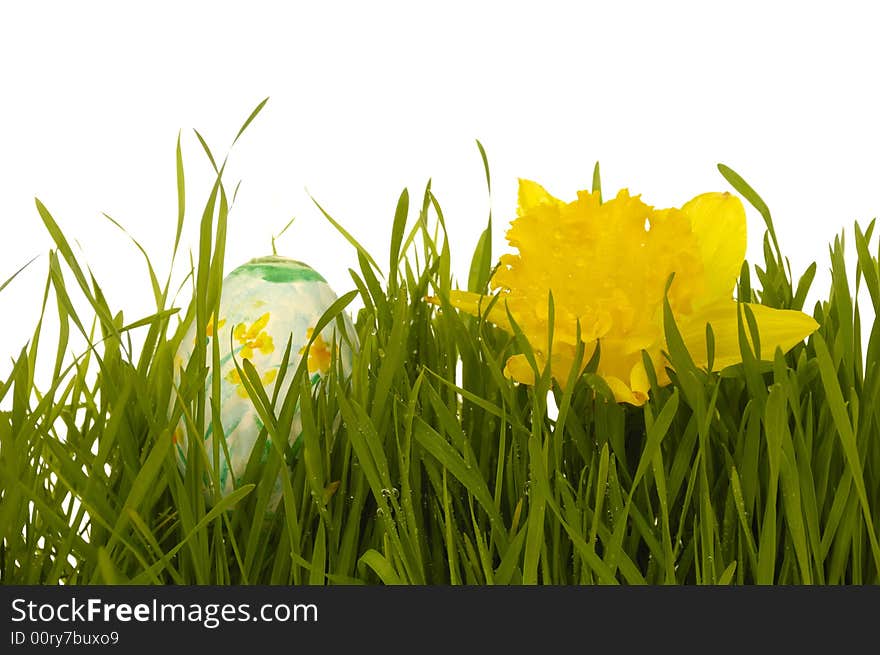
638,382
532,195
476,304
622,393
634,393
718,221
782,328
562,361
519,369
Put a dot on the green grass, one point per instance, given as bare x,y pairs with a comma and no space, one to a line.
426,465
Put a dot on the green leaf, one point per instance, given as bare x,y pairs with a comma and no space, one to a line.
847,438
14,275
250,118
754,199
380,565
400,215
361,250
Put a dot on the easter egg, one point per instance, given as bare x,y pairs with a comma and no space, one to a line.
263,304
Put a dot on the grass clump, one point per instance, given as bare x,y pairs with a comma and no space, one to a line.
426,465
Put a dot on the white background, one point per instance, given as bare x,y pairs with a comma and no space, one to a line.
367,98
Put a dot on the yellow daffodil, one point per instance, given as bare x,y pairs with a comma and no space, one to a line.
319,355
607,265
213,326
254,337
234,378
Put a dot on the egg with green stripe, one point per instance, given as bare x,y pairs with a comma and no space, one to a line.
264,304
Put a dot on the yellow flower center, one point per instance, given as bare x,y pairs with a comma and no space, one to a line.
606,264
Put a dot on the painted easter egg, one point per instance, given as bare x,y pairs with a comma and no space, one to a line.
263,304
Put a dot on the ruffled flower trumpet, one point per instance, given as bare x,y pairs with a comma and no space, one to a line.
607,265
